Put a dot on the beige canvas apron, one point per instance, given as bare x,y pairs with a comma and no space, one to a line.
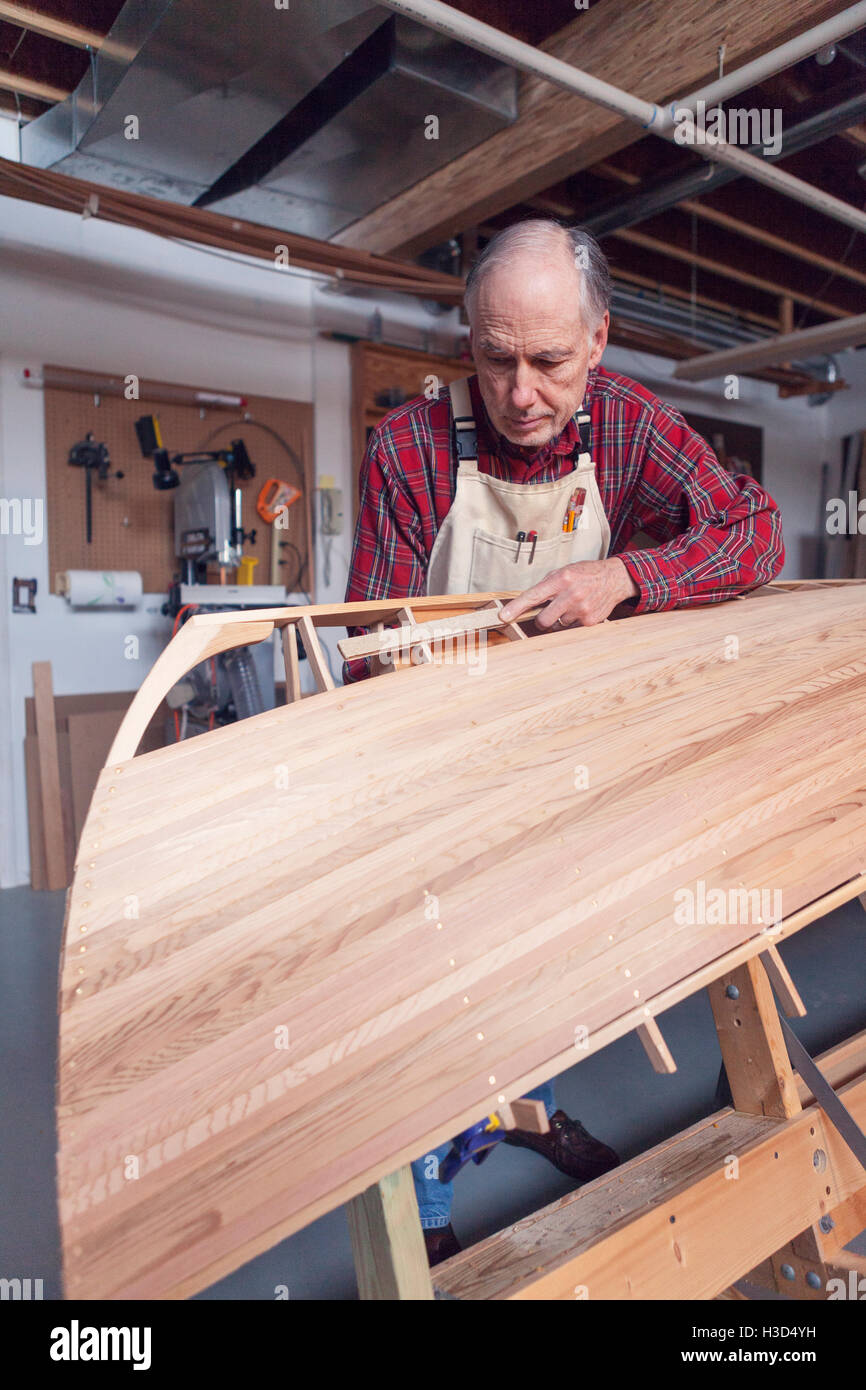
476,549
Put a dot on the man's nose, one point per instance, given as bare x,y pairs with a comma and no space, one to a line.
523,387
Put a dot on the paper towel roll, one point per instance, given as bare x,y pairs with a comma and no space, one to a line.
101,588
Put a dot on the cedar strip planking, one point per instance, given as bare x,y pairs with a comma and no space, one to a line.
261,907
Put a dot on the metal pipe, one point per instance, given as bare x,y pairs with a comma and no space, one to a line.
658,194
446,20
784,56
711,328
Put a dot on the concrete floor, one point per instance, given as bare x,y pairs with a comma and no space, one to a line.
614,1092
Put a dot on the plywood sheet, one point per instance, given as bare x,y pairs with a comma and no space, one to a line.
322,941
90,737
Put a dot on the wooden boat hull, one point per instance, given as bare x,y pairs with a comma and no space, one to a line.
302,950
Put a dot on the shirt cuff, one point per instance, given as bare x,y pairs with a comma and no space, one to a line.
653,592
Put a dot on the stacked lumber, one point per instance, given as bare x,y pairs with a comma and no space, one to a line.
302,950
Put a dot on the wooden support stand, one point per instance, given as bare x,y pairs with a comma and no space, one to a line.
387,1241
625,1234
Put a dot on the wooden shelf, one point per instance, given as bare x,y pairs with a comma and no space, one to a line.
378,367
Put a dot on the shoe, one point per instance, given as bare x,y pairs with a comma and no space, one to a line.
441,1244
569,1147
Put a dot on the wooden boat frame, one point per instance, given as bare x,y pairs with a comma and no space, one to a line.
800,1193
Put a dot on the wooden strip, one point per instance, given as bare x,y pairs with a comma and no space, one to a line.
315,655
26,17
781,981
410,634
67,811
377,666
49,777
387,1241
29,87
421,655
513,631
847,1263
848,1220
698,979
362,613
723,269
36,829
655,1047
530,1115
292,663
753,1049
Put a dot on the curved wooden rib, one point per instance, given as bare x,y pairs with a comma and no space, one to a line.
196,641
206,634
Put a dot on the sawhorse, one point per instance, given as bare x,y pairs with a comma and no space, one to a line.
766,1192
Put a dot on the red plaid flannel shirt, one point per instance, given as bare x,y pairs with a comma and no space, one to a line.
718,535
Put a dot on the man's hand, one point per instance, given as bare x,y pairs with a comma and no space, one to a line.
577,595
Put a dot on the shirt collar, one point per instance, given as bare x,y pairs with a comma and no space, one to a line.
492,442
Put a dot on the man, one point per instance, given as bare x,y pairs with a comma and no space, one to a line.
543,443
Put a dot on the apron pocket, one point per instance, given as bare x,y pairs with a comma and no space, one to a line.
495,563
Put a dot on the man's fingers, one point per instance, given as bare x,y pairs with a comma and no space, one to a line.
550,615
530,598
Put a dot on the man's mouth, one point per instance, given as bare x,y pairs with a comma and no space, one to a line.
528,424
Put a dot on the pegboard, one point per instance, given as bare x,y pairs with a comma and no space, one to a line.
133,524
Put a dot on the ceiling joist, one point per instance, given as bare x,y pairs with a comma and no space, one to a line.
809,342
50,27
558,133
714,266
29,87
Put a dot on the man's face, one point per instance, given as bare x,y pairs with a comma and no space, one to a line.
532,350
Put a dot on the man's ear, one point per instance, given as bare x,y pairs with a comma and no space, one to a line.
599,341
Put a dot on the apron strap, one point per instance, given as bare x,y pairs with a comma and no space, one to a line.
467,432
584,427
464,421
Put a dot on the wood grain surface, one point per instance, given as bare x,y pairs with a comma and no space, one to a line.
302,950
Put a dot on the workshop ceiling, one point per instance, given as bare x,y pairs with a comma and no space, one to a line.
299,118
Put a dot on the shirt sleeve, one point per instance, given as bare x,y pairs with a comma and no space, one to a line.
388,555
721,533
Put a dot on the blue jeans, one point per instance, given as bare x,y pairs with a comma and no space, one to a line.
435,1197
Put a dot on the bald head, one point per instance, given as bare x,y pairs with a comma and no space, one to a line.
537,306
570,257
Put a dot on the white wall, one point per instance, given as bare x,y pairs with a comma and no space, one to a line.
847,410
796,439
89,295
